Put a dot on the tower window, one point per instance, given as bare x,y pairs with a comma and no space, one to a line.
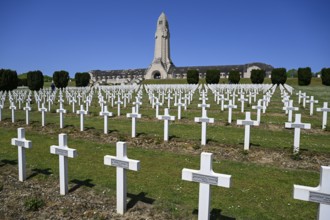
160,22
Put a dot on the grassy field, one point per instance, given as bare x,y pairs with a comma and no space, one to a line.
259,191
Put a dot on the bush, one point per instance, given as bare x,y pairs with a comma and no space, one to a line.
8,80
82,79
192,76
325,76
279,76
212,76
257,76
234,77
22,82
35,80
304,76
61,79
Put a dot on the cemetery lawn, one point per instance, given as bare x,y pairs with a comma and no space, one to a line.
262,179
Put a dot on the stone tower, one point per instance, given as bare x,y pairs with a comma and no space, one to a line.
162,63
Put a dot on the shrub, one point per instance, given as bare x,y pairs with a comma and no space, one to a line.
257,76
22,82
82,79
192,76
234,77
61,79
279,76
35,80
304,76
8,80
325,76
212,76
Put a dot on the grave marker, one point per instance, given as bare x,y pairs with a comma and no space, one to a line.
204,119
82,112
21,143
105,113
166,117
230,106
319,194
43,111
325,111
64,152
247,122
122,164
205,177
27,109
134,115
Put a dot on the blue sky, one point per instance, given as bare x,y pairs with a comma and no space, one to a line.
86,35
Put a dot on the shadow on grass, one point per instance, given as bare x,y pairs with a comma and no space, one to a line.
209,140
140,134
68,126
80,183
215,215
171,137
254,145
10,162
112,131
88,128
139,197
36,171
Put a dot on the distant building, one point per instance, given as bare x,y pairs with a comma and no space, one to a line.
162,66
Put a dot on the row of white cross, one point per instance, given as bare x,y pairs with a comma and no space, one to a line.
204,176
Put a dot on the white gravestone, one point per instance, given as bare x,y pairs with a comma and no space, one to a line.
179,104
289,108
105,113
12,107
21,143
118,106
205,177
304,97
259,107
204,119
122,164
62,111
297,125
242,100
311,105
43,111
157,103
247,122
64,152
166,117
319,194
27,109
134,115
325,111
230,106
82,112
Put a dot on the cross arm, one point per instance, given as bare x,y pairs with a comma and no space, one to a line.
21,143
64,151
303,192
125,163
222,180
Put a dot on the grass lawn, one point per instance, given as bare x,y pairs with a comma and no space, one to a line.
259,191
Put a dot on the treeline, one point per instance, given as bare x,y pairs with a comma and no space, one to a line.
9,79
278,76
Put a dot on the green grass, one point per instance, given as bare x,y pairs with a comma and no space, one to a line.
258,191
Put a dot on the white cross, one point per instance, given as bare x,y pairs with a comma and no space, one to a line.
247,122
1,107
157,103
179,104
204,119
166,117
230,106
304,97
319,194
21,143
122,164
12,107
27,108
82,112
299,94
264,103
62,111
203,105
297,125
290,108
205,177
134,115
259,107
325,111
43,111
64,152
137,103
242,100
105,113
118,102
311,105
168,98
222,99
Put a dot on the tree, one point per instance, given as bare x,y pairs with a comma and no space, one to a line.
82,79
257,76
234,77
61,79
8,80
292,73
192,76
35,80
279,76
304,76
212,76
325,76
